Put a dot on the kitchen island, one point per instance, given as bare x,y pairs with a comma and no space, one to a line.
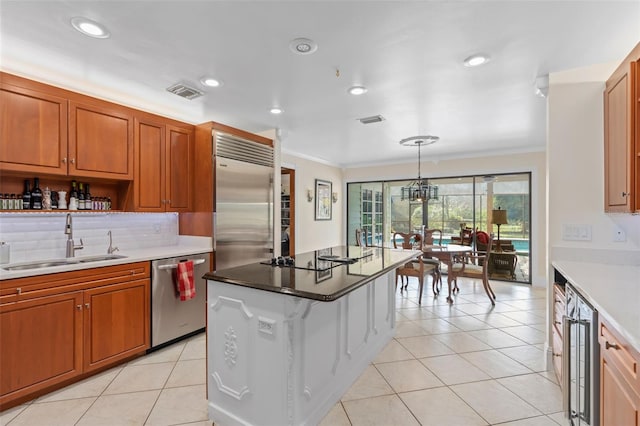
285,342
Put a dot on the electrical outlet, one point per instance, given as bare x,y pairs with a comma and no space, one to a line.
619,236
157,228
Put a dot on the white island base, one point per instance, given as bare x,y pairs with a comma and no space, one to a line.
278,359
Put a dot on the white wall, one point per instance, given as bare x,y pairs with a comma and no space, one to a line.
309,233
530,162
576,170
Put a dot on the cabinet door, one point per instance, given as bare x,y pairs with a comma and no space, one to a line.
41,341
100,142
150,166
116,321
33,131
620,405
179,179
619,163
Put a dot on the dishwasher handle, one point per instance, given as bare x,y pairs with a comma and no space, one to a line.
175,265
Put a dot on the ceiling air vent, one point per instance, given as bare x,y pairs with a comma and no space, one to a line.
372,119
185,91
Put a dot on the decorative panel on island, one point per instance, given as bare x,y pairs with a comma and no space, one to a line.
286,342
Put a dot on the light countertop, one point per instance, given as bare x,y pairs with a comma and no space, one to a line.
187,245
613,290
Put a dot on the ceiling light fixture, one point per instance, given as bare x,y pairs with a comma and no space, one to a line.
357,90
303,46
276,110
89,28
419,190
476,60
210,82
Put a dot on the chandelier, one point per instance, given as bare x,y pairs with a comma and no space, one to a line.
419,190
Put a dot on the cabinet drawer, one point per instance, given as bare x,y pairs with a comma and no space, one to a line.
556,352
620,354
42,285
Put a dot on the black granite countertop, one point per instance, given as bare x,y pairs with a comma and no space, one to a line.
315,278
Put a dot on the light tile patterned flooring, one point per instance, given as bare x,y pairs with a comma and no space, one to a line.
460,364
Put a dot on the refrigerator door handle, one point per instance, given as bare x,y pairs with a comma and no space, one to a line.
215,230
566,364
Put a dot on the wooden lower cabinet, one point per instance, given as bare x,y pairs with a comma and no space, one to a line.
58,327
116,322
559,304
619,379
40,343
619,405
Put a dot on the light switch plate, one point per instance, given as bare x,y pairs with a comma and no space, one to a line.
576,232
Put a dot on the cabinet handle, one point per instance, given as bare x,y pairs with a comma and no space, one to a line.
557,322
608,345
557,355
168,201
86,305
558,301
18,290
64,160
624,194
79,307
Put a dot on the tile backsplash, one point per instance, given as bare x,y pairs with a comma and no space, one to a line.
37,236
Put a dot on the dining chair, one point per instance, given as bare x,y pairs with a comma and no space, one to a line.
433,237
416,268
474,265
361,237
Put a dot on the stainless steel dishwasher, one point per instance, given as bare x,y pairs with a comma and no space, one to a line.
172,318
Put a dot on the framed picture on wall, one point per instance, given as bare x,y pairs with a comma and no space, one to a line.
323,200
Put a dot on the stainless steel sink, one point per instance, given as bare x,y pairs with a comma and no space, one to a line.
100,257
60,262
38,264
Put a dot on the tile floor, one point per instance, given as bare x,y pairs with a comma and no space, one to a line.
460,364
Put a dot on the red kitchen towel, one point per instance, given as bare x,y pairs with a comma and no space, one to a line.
186,284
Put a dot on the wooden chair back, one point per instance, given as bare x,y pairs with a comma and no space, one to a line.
361,237
407,241
432,237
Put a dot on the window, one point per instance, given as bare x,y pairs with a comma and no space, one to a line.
464,201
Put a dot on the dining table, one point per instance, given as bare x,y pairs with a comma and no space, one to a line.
446,255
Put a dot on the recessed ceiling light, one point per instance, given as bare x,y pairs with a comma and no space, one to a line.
210,82
357,90
275,110
303,46
476,60
90,28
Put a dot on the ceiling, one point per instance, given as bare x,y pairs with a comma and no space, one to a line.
408,54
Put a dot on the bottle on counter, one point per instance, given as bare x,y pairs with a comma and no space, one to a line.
26,195
4,202
88,203
81,205
73,196
36,195
54,200
15,203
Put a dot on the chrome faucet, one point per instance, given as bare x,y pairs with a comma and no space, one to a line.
71,246
111,249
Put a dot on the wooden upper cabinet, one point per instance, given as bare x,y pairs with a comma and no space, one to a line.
164,166
179,179
150,164
33,136
100,141
622,137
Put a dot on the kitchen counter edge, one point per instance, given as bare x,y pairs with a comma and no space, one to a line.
410,254
613,290
187,245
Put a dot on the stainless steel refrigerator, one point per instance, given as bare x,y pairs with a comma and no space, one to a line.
243,216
